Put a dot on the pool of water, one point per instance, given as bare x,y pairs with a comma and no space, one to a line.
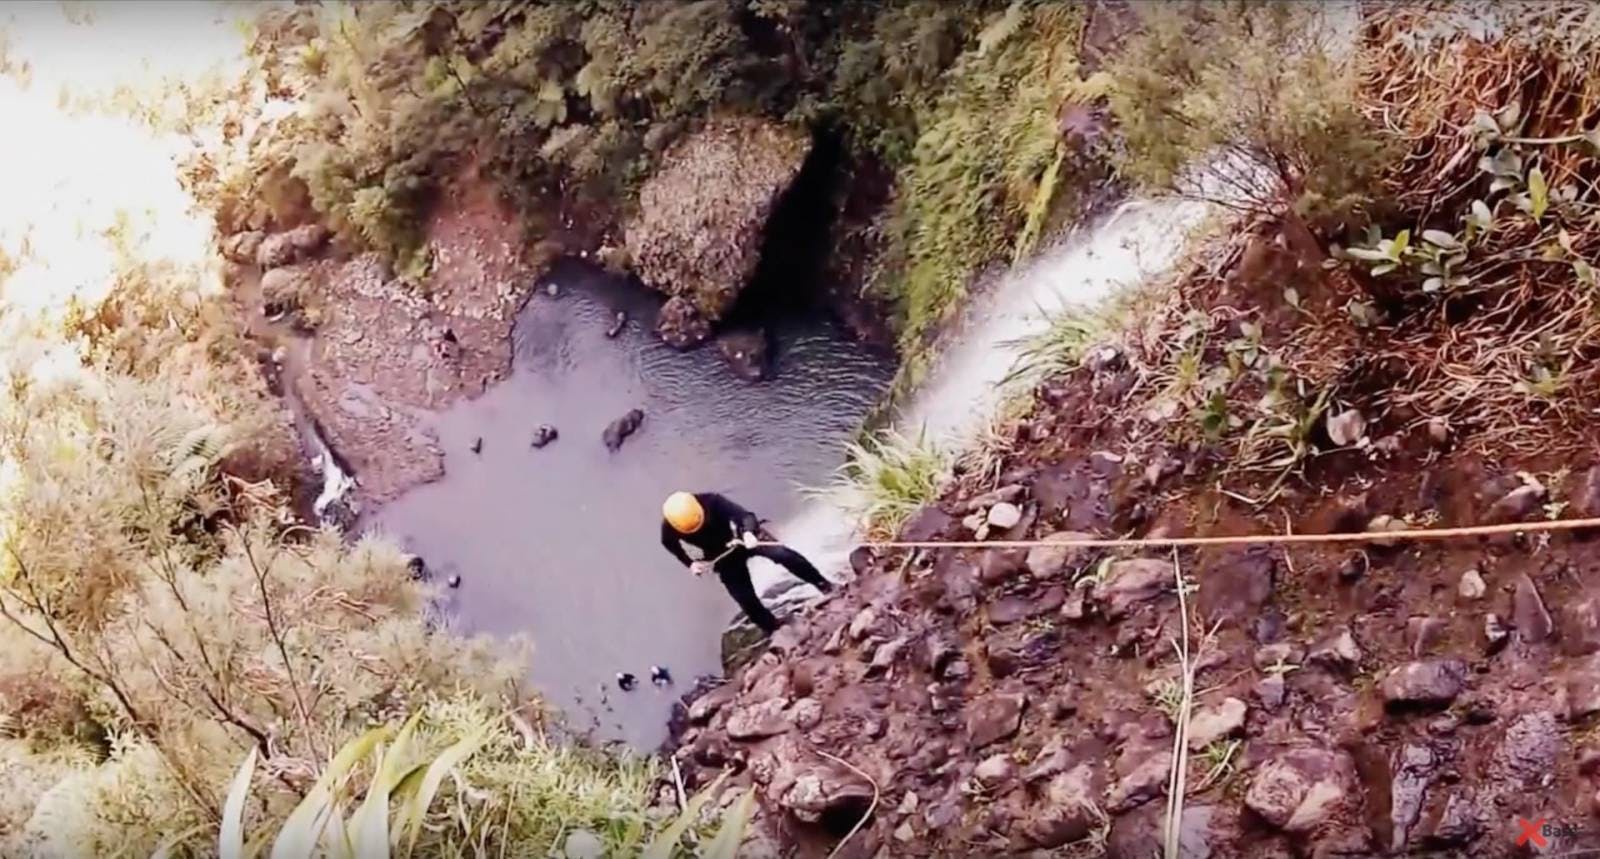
561,544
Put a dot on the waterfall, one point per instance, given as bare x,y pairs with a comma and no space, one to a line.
1142,238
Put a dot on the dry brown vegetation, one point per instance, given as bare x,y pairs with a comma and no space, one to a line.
1502,160
1458,303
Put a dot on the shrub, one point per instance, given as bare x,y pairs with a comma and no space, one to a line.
546,796
1247,103
202,619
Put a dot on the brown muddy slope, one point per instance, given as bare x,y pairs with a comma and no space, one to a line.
1399,698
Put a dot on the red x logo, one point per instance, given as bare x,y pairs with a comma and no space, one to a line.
1531,833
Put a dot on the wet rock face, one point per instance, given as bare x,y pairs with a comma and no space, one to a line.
618,431
701,218
1085,754
746,353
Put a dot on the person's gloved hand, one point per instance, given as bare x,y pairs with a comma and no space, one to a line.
749,540
700,568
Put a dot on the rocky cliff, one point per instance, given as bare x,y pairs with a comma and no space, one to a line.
381,351
1381,699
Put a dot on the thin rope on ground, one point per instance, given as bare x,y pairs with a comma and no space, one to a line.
1244,539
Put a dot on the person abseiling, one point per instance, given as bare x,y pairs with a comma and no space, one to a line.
706,531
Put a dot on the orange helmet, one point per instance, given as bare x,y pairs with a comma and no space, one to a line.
683,512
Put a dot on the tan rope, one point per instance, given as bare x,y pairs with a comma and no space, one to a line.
1248,539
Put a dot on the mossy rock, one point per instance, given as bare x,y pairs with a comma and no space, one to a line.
702,216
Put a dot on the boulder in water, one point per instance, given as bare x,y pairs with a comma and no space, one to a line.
619,429
746,353
680,325
544,435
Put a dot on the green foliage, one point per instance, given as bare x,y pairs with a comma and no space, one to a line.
881,82
986,165
890,476
318,824
388,100
1255,92
379,795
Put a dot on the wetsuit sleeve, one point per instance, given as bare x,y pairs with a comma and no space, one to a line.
669,540
743,520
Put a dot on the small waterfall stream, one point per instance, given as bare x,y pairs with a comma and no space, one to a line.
1138,240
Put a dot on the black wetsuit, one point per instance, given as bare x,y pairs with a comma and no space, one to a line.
726,521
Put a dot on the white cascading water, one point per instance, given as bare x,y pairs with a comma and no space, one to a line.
1140,239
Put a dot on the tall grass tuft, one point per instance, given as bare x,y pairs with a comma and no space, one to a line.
377,798
1076,330
889,476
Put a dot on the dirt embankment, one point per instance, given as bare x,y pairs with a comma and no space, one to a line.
1349,701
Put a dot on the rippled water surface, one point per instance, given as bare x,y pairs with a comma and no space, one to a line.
561,544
